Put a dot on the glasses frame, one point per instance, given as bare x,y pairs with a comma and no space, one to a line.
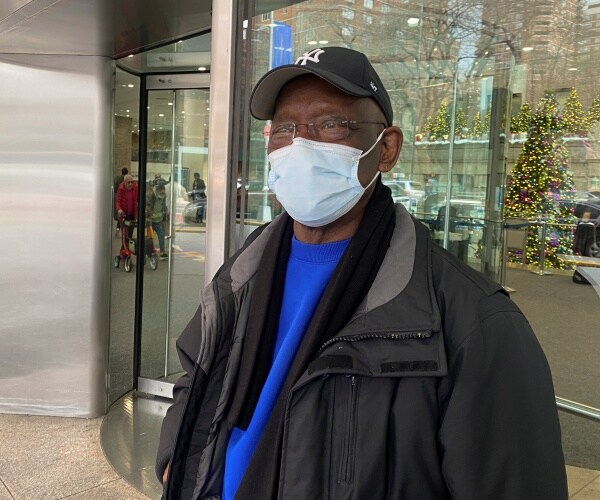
314,131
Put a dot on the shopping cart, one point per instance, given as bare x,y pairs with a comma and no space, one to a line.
128,246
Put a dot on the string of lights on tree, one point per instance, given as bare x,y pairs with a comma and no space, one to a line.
541,185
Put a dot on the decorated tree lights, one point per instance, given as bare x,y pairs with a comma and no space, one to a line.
575,119
519,124
542,188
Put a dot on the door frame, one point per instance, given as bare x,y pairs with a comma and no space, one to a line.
152,82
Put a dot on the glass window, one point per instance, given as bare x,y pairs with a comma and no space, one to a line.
500,109
347,13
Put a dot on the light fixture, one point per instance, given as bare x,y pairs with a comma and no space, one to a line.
572,69
130,85
202,68
527,49
323,42
413,21
313,42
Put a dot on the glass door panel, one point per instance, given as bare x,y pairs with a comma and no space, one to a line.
176,168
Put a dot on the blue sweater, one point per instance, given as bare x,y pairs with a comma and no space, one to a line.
308,271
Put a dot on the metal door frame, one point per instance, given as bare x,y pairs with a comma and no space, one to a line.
173,82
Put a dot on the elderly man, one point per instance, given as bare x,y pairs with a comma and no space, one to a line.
126,201
342,355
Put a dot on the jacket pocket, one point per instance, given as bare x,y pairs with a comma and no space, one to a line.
348,422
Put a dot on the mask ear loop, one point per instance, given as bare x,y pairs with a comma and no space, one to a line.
374,144
366,153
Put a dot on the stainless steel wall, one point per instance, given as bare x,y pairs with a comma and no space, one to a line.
55,177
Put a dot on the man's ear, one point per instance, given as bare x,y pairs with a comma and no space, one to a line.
391,143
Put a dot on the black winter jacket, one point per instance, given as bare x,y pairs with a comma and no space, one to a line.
437,388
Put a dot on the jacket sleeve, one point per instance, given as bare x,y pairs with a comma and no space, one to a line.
188,346
500,434
119,199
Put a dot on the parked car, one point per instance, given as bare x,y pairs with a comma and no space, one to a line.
415,189
587,232
400,195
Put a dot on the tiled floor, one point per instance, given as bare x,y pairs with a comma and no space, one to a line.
55,458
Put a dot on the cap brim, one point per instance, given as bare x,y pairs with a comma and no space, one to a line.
264,95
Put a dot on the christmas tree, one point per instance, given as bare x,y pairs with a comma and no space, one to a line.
574,117
593,115
486,121
460,123
523,119
477,126
441,123
542,187
427,130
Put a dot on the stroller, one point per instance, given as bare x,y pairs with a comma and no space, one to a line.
128,246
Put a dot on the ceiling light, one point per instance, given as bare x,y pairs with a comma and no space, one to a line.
130,85
413,21
313,42
527,49
572,69
202,68
161,115
170,103
323,42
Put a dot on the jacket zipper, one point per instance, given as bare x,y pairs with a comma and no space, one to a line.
367,336
345,473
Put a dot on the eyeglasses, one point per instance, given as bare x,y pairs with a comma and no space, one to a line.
328,130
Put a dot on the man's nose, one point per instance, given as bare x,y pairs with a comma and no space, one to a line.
303,130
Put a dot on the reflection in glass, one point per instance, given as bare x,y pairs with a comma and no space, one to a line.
125,156
466,80
177,167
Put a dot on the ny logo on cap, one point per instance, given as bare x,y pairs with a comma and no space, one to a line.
312,56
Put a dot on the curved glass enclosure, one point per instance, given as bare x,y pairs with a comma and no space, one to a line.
499,105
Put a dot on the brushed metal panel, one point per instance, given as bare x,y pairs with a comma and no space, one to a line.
219,135
55,136
8,7
111,28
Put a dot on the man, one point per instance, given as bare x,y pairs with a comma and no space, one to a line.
157,214
126,202
198,196
340,353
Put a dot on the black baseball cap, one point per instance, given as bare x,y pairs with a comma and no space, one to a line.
347,69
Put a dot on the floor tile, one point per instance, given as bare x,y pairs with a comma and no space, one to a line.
51,457
590,492
115,490
4,494
579,479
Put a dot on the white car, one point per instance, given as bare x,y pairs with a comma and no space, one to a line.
400,195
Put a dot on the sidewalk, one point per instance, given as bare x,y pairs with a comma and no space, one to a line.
51,458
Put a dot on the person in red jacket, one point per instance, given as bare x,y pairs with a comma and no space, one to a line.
126,201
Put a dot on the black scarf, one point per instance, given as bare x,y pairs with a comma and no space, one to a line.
348,286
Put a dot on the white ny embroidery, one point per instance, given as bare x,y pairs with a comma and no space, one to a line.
312,55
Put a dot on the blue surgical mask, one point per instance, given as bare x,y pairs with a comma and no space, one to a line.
317,182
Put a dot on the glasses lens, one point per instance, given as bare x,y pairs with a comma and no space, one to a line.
281,134
331,130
